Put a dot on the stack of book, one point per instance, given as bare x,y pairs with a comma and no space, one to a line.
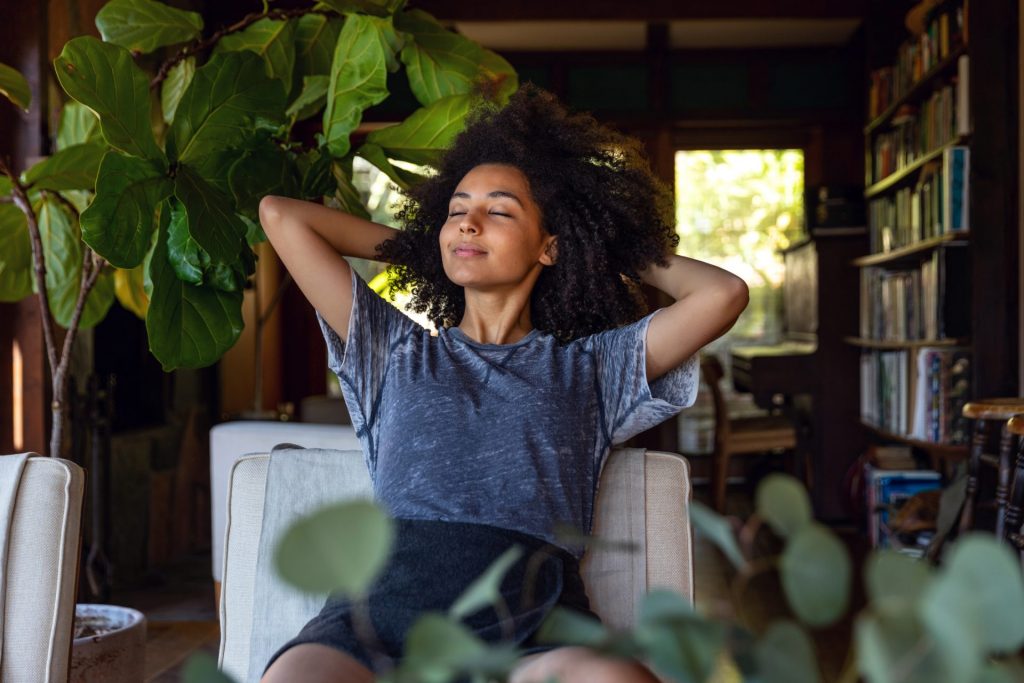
943,385
890,492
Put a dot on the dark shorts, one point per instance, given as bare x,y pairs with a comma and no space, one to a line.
431,563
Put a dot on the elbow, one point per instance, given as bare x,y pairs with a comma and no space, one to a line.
270,212
738,294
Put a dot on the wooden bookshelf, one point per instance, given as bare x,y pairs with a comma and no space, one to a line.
913,344
910,250
908,171
919,90
938,450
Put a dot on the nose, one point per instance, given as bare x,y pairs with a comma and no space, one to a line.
467,225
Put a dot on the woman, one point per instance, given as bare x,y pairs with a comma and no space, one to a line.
525,251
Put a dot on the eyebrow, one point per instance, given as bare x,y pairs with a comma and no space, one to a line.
495,193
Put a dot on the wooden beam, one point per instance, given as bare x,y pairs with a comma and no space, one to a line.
651,10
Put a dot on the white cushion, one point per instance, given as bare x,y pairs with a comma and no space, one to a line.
643,498
42,565
229,441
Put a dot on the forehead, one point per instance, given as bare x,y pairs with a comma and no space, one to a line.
494,176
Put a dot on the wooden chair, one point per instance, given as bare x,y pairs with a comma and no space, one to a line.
989,413
739,436
1015,502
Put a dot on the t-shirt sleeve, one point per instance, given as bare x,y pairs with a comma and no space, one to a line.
375,328
629,403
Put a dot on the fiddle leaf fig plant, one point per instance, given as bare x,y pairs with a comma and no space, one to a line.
152,190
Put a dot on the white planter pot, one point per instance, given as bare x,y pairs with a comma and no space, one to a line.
115,657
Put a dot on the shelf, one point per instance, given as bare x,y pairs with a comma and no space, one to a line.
941,450
894,178
914,344
909,250
923,86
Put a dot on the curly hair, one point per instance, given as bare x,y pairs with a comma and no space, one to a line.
596,193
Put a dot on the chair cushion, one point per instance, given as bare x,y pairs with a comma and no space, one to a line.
41,572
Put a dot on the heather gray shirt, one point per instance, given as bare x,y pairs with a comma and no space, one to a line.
510,435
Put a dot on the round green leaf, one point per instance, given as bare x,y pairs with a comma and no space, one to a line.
980,589
684,649
895,582
78,124
786,655
718,531
815,571
427,133
661,605
897,648
145,25
14,87
571,628
104,78
188,326
437,61
273,40
118,224
365,52
228,98
340,548
783,502
174,86
15,254
438,647
202,668
72,168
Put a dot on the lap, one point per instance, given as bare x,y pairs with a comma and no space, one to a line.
315,663
568,664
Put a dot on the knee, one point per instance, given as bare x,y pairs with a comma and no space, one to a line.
582,665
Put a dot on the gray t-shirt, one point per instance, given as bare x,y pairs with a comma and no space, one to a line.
510,435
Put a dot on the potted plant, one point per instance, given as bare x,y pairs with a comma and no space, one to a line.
152,190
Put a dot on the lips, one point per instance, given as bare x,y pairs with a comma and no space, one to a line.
468,250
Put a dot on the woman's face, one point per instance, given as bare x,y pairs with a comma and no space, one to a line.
493,237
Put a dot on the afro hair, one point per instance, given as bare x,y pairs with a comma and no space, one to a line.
612,217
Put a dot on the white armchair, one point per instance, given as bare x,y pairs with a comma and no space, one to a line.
40,571
643,498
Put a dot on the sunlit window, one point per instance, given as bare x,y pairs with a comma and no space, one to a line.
737,209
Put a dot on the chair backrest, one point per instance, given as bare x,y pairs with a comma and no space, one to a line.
42,571
643,499
711,369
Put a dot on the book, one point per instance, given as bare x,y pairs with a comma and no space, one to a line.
955,188
887,492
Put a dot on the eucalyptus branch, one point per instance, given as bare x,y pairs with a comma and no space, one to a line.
199,45
19,196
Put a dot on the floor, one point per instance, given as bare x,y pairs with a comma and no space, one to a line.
182,618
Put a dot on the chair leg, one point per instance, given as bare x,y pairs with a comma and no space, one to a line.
719,480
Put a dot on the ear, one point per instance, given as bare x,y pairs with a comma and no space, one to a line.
550,255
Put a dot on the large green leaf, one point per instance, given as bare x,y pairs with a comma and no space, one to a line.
339,548
72,168
380,8
188,326
427,133
315,38
174,86
346,193
14,87
118,224
130,290
264,170
783,502
365,53
182,250
273,40
145,25
403,178
437,61
15,255
311,99
104,78
229,97
215,228
63,253
78,124
815,570
499,74
786,655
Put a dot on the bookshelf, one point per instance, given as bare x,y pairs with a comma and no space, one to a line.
915,330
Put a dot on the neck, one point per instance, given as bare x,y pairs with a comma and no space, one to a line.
496,317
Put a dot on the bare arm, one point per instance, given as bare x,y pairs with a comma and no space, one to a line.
709,300
311,240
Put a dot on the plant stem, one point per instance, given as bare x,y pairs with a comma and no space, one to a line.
202,44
